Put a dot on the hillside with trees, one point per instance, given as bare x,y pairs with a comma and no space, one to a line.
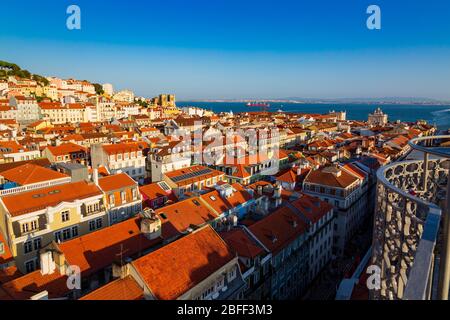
11,69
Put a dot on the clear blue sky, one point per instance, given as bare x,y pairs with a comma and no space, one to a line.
237,48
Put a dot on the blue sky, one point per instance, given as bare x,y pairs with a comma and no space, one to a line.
238,48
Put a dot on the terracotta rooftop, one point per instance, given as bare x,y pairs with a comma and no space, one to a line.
179,266
43,162
65,149
120,289
97,250
31,173
192,174
40,199
312,207
115,182
279,229
23,288
222,204
326,178
242,243
180,216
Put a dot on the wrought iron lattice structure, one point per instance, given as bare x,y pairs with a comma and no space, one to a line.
411,195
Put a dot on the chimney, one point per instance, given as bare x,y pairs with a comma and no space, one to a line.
277,195
150,225
120,270
52,259
48,265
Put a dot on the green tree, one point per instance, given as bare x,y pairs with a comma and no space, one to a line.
98,88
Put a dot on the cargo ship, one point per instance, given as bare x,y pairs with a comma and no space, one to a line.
258,104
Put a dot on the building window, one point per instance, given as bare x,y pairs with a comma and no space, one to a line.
123,196
93,208
37,243
29,226
111,200
28,247
25,228
74,231
65,216
66,234
232,275
58,236
30,266
134,191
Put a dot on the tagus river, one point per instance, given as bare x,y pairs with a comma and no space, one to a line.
438,115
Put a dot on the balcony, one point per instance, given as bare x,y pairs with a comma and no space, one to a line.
411,197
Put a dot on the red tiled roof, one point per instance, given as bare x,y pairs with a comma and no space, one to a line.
191,179
66,149
178,217
31,173
115,182
9,274
279,229
97,250
312,207
177,267
25,287
120,289
39,199
322,177
242,243
222,204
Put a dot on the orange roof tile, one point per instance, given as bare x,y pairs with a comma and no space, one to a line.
97,250
222,204
192,174
31,173
179,266
241,242
312,207
279,229
9,274
39,199
25,287
322,177
115,182
65,149
120,289
178,217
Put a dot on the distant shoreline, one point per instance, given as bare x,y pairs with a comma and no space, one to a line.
338,102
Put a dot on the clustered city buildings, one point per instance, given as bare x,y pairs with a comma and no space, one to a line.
102,184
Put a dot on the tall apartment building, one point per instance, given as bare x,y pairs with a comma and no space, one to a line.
27,108
122,157
345,188
122,197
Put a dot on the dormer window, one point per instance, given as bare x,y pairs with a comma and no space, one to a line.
65,216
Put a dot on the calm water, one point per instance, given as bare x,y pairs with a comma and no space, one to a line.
437,115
